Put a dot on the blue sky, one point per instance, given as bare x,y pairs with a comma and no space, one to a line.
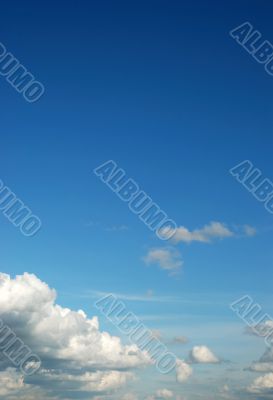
162,89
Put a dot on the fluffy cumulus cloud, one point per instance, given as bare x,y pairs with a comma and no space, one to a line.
262,385
202,355
183,371
167,258
76,356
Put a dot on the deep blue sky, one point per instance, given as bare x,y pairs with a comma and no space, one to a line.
161,88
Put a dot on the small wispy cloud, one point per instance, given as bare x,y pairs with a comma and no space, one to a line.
117,228
214,230
180,340
210,232
249,230
167,258
157,334
147,297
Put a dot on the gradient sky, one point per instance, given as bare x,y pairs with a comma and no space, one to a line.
163,90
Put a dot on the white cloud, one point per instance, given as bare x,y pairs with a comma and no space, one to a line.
164,394
99,381
225,388
202,355
129,396
59,332
167,258
263,384
75,354
183,371
11,381
13,387
212,231
261,367
249,230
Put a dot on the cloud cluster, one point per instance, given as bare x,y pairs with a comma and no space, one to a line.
169,258
13,387
78,359
76,356
208,233
263,385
